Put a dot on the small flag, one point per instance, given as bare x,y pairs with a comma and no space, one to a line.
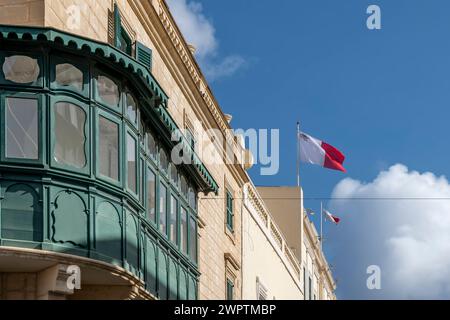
315,151
331,217
310,211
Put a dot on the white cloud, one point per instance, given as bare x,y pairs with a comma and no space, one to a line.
406,232
200,32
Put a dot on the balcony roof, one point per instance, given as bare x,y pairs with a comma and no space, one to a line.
128,64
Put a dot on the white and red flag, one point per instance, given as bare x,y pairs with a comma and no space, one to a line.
315,151
331,217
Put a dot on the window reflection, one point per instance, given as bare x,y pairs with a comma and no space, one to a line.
108,90
164,161
22,128
151,145
173,219
21,69
68,75
109,148
70,138
193,239
131,162
151,187
184,186
162,208
183,230
173,174
131,108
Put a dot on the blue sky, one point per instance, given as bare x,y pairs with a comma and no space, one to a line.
380,96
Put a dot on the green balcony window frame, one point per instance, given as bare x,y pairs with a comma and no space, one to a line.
177,214
164,171
229,211
41,102
117,108
134,125
153,158
86,170
230,289
107,115
160,182
192,217
132,134
120,34
142,130
76,62
154,222
183,210
39,83
142,178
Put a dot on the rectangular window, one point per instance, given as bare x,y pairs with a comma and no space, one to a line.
190,138
22,131
309,288
162,208
304,283
173,219
230,214
193,239
122,39
151,188
184,230
131,162
230,289
109,148
142,180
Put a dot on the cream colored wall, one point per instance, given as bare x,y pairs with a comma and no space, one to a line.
170,71
284,204
22,12
261,259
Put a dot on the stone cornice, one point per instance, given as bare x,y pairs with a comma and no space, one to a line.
192,69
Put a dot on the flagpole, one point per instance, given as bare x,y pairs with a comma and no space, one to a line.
321,223
298,154
300,195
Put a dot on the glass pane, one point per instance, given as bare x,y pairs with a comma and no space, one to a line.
131,108
141,180
162,208
69,75
131,162
192,200
173,221
108,91
163,160
151,145
151,187
193,239
173,174
124,42
184,186
70,139
183,230
22,128
109,148
21,69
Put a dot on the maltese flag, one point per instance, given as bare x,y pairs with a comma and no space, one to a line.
331,217
315,151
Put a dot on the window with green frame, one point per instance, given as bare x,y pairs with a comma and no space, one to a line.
230,213
122,40
230,289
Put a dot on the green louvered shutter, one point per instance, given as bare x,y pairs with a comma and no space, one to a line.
144,55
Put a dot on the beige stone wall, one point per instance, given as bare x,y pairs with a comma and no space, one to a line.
264,264
22,12
184,101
